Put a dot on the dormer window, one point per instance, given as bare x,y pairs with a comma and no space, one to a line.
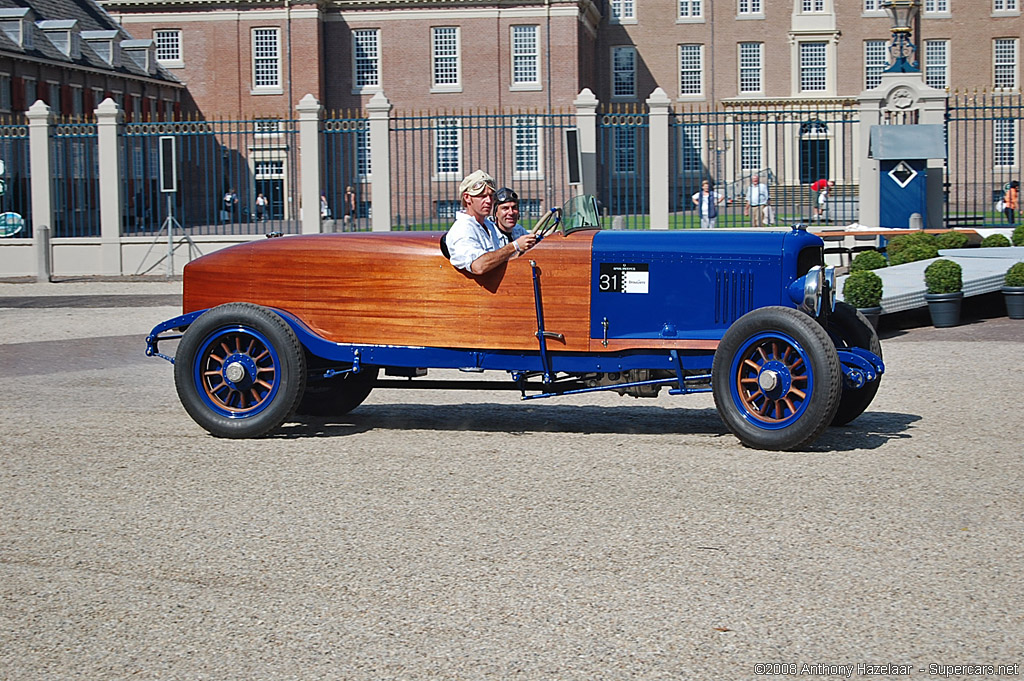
104,44
63,34
142,53
17,24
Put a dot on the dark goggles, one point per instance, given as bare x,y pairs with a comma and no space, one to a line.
504,195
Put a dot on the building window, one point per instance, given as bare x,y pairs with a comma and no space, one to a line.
936,6
448,209
447,148
936,63
750,7
625,149
168,47
6,96
31,95
691,9
525,56
813,67
446,58
364,160
623,72
1005,72
623,10
872,6
691,70
690,150
751,67
526,145
875,61
1005,139
366,61
750,146
1004,5
814,6
266,57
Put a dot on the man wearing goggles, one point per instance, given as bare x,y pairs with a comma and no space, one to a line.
475,243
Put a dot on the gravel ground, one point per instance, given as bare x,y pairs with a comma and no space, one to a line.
466,535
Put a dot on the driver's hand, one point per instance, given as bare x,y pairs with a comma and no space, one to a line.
526,242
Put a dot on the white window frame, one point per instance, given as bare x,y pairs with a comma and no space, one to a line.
935,8
266,60
524,40
1006,7
876,59
812,7
527,148
687,48
622,11
447,134
873,8
169,44
1005,72
936,71
624,148
803,67
366,51
364,157
1005,133
690,11
750,9
446,57
691,159
751,148
753,70
619,74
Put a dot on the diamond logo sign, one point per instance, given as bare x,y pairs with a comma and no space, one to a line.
902,174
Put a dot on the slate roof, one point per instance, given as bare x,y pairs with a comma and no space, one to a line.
90,17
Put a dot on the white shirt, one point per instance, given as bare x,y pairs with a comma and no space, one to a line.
467,239
757,194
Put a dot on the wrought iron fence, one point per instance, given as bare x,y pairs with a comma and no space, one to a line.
14,154
75,181
623,143
346,164
223,168
984,154
789,147
432,153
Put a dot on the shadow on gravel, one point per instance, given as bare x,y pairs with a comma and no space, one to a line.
870,431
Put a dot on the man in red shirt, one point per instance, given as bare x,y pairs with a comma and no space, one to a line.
819,194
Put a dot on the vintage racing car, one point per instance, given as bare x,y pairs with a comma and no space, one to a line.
310,324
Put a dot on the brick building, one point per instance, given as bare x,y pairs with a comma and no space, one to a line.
261,57
71,54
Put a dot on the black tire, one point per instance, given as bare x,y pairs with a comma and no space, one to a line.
849,328
776,379
339,395
240,371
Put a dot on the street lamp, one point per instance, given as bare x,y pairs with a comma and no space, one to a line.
902,14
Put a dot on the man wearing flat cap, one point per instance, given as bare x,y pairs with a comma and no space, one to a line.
474,242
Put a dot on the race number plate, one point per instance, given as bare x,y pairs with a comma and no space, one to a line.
623,278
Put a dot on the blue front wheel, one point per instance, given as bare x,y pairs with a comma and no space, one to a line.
776,379
239,370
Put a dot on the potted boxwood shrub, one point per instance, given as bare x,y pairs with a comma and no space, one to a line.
868,260
995,241
911,248
863,290
1013,291
1018,236
950,240
944,281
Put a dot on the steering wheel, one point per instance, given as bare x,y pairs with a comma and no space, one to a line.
546,224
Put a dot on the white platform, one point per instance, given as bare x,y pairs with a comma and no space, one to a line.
983,271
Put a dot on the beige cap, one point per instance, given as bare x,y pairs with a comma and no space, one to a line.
475,183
